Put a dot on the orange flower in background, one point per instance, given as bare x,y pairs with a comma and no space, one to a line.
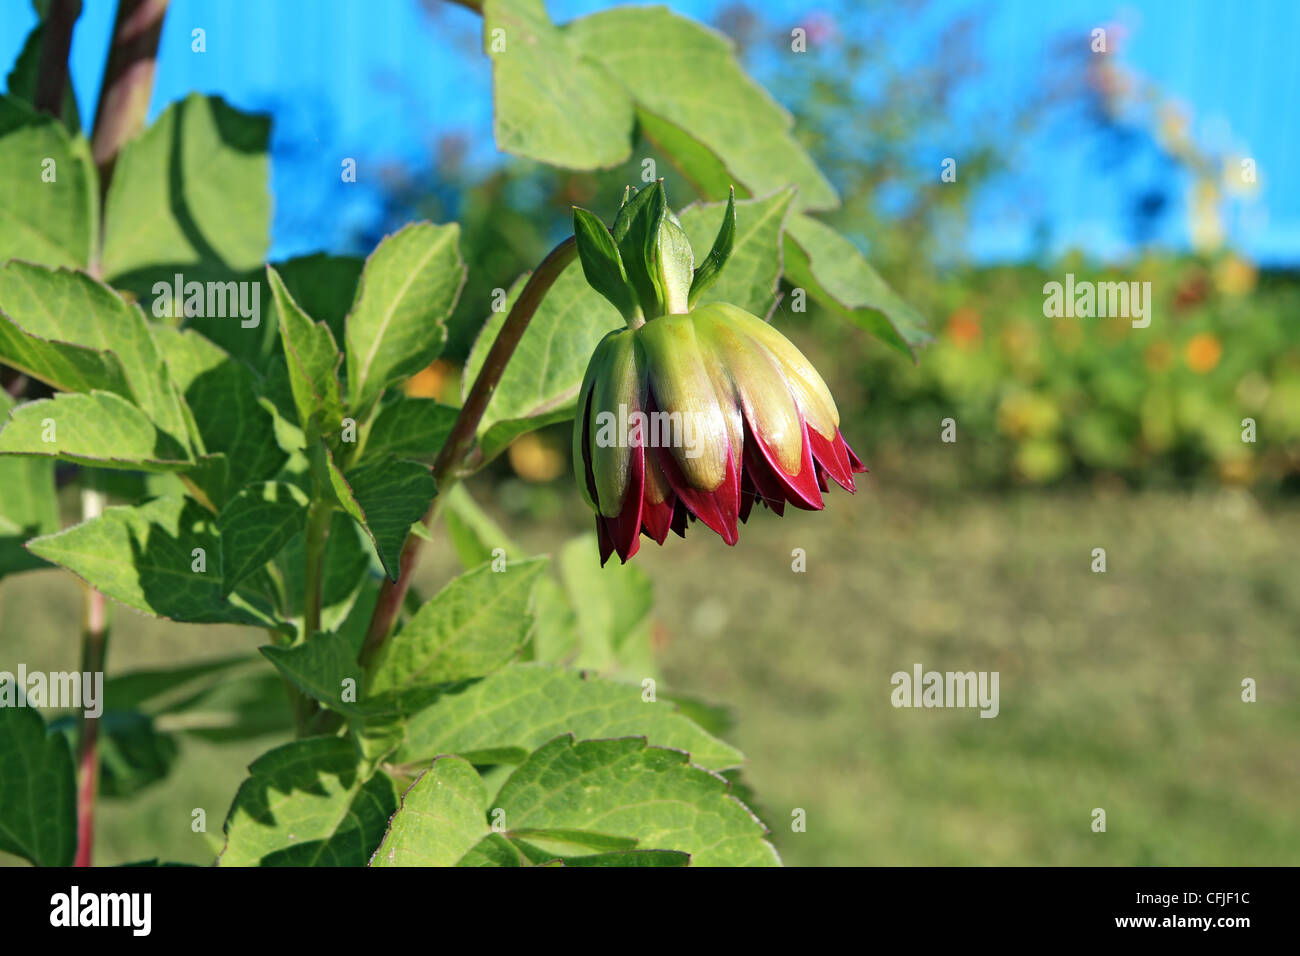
964,328
429,382
1202,353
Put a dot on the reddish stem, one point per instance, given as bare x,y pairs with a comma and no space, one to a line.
461,439
94,649
128,81
123,103
52,73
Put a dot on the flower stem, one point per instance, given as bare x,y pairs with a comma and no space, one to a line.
94,651
128,81
123,102
460,441
52,73
318,528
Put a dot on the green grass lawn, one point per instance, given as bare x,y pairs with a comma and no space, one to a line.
1119,690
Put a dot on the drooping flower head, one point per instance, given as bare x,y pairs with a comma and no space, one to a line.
691,412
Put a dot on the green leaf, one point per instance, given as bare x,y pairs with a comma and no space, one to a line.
71,307
493,850
56,222
348,557
38,812
23,79
612,608
133,753
410,428
440,822
64,365
221,394
255,524
397,325
308,803
476,624
313,361
319,666
555,638
753,270
154,691
601,263
324,286
190,192
698,165
619,796
540,385
147,558
551,103
440,818
621,858
474,535
246,706
687,77
833,271
524,705
29,506
98,429
385,496
625,788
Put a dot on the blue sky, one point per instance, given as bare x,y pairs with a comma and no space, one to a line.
380,79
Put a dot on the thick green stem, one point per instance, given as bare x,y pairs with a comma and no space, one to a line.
446,468
318,527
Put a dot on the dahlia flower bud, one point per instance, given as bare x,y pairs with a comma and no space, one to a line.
691,413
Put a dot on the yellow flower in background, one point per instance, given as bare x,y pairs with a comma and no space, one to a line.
1205,218
534,459
1202,353
1235,276
1027,415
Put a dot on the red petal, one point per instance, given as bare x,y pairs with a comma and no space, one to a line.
719,508
746,495
679,518
858,467
766,487
657,519
800,490
625,527
831,456
606,542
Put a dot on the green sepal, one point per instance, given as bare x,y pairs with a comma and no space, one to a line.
711,268
676,262
636,232
602,264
